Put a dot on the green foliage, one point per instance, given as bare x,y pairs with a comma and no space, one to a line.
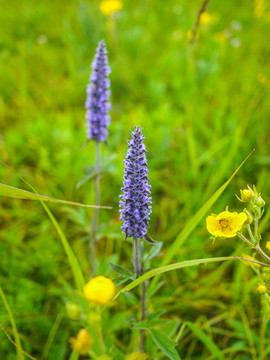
203,109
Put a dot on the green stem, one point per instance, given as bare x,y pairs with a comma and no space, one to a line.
96,212
260,251
143,316
250,233
256,230
136,257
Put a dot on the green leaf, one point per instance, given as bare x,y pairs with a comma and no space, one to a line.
176,266
166,345
13,192
120,269
155,249
194,221
77,273
20,355
206,340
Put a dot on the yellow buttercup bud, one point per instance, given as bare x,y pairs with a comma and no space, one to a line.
261,288
73,310
247,194
267,245
99,290
82,343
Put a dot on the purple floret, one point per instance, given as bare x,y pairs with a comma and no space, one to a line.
135,209
97,101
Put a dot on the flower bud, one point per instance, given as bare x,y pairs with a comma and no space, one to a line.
249,217
73,310
82,343
261,288
259,201
246,195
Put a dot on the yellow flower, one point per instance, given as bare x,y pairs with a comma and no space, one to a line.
99,290
225,224
267,245
137,356
82,343
261,288
109,7
207,18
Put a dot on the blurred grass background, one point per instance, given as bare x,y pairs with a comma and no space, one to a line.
203,109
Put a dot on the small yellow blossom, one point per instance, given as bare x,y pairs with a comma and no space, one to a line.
99,290
226,224
261,288
267,245
207,18
137,356
82,343
109,7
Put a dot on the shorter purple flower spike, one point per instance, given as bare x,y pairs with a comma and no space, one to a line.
135,201
97,102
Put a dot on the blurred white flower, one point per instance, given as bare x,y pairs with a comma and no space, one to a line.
42,39
236,42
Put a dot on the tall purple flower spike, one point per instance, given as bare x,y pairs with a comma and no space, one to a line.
135,201
97,101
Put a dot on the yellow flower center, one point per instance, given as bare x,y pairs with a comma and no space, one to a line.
224,223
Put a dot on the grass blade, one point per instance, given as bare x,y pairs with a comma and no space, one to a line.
176,266
20,355
206,340
193,222
77,273
13,192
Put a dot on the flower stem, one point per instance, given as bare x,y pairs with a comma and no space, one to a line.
136,257
143,315
260,251
256,230
97,203
250,233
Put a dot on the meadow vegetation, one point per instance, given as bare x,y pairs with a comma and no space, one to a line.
203,108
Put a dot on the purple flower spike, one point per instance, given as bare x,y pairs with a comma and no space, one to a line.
135,201
97,102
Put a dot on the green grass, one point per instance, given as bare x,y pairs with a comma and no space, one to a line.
203,109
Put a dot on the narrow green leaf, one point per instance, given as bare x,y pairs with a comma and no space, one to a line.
206,340
166,345
13,192
20,355
194,221
176,266
77,273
